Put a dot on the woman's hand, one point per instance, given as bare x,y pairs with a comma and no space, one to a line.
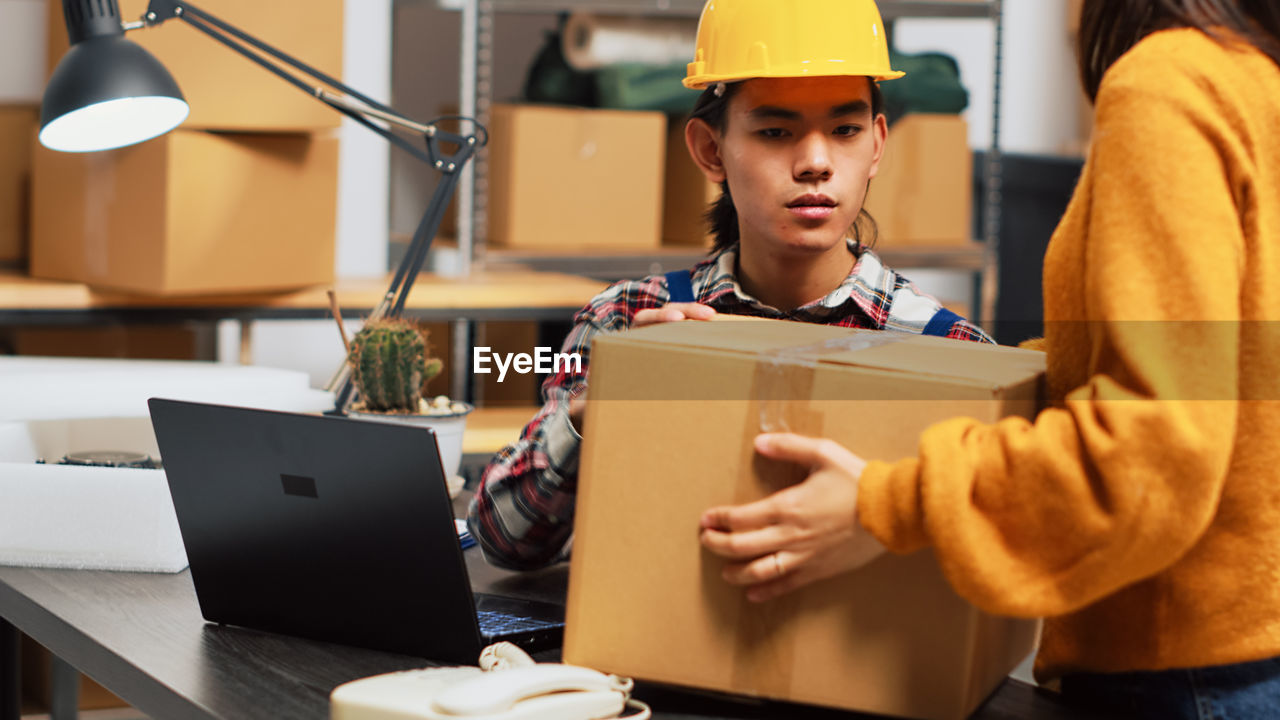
800,534
673,312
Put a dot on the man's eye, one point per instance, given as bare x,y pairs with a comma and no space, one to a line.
771,133
848,130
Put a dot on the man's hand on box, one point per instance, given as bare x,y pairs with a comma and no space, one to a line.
804,533
673,312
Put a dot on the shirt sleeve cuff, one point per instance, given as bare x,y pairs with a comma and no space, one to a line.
563,441
889,505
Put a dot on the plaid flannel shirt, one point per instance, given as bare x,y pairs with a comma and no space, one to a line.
522,514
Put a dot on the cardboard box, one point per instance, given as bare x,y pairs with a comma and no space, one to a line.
225,90
923,192
17,126
37,682
188,213
673,412
687,195
575,178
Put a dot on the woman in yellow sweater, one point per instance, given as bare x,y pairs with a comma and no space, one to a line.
1140,512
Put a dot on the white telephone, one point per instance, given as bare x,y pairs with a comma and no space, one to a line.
510,687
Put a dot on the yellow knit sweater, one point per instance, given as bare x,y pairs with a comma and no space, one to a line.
1140,513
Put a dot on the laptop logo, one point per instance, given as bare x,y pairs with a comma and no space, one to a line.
299,485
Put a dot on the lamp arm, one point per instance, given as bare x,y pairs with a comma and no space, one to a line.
449,164
392,303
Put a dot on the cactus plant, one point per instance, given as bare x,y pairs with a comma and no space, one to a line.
391,365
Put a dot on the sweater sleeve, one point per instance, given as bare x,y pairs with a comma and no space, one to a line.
1121,478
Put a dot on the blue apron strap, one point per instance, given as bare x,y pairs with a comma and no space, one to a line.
941,322
680,286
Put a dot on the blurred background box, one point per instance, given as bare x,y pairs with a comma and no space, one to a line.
188,213
17,128
563,177
687,194
37,682
190,341
921,195
227,91
502,337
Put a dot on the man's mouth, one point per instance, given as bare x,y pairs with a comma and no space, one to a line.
812,207
812,200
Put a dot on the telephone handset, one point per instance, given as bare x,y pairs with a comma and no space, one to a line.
517,689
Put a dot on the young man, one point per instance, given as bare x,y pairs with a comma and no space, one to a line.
790,126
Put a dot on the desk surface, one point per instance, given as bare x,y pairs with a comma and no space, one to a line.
510,295
142,636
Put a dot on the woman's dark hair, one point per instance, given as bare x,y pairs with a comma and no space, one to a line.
1109,28
723,216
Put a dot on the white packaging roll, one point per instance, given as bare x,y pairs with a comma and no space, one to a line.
594,41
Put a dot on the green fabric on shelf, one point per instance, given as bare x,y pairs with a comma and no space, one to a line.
644,87
932,85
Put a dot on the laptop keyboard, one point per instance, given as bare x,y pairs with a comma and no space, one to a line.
494,623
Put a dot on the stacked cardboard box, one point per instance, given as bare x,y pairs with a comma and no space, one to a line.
17,125
575,178
22,24
241,198
923,192
687,194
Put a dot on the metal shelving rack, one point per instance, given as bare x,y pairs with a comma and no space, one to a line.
478,17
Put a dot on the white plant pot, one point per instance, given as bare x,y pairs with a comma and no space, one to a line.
448,430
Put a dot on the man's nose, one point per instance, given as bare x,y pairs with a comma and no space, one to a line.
813,157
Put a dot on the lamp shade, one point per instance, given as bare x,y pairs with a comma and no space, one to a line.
107,92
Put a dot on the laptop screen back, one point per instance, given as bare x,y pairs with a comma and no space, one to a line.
322,527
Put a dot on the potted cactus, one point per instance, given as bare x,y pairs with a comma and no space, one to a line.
391,365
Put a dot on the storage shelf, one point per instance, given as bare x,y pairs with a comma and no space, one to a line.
889,9
613,264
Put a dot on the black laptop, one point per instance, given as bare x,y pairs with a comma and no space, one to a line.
333,529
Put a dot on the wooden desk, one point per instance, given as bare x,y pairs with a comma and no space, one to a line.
141,635
513,295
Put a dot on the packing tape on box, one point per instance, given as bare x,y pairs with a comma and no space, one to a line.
594,41
783,387
785,375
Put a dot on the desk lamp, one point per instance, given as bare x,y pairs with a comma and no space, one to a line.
107,92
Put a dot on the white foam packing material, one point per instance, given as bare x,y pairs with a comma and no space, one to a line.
34,388
107,518
90,518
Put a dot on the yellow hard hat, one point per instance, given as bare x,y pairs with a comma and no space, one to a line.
743,39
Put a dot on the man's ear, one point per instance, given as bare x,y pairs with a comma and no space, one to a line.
880,135
703,142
